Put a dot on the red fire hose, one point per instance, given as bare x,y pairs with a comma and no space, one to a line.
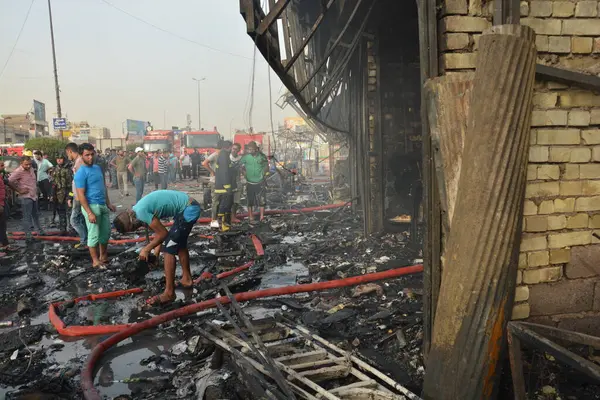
87,375
267,212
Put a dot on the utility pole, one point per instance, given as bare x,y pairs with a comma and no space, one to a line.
199,109
58,108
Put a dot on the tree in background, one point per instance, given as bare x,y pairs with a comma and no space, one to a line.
50,146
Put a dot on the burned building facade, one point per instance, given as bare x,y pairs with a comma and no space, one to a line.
357,67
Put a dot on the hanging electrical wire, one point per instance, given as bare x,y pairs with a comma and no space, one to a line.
12,50
173,33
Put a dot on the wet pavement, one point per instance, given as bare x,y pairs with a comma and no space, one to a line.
381,322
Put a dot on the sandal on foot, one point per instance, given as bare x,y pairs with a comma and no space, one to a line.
156,301
179,285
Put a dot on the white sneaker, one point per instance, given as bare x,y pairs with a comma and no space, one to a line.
214,224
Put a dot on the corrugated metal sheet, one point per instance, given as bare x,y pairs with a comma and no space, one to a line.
478,281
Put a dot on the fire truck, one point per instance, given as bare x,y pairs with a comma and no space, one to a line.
162,140
262,140
206,142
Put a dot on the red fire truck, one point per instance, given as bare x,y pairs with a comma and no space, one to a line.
206,142
262,140
162,140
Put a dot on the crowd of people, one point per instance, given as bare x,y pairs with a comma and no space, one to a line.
81,178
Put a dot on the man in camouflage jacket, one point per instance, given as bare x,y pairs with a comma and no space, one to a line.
62,181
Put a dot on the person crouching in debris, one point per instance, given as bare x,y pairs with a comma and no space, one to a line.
95,205
256,165
155,206
61,187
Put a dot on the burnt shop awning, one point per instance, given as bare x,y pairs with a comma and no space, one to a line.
310,44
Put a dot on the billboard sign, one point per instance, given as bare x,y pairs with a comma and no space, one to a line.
59,123
135,131
39,111
294,123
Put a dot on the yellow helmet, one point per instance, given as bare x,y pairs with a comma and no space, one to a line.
27,153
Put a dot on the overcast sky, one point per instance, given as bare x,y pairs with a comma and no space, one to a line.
113,67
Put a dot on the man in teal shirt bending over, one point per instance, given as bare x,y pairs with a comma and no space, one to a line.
155,206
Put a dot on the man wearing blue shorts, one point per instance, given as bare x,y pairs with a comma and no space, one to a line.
155,206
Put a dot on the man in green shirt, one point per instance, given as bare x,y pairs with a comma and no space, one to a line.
120,162
256,167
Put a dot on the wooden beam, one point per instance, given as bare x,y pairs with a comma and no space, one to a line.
312,32
272,16
585,81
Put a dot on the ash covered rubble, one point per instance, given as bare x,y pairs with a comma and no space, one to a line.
379,322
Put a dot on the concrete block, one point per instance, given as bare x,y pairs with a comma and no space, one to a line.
581,45
547,172
458,60
584,262
455,23
556,222
595,221
570,188
558,136
540,8
543,26
532,243
560,256
563,9
520,311
595,117
532,172
589,171
541,43
524,8
560,154
564,205
566,296
557,85
578,221
549,274
570,171
450,7
559,44
538,258
591,136
579,118
580,27
568,239
546,207
519,277
521,293
542,189
549,118
455,41
587,203
590,188
530,208
596,46
586,9
536,223
576,98
545,100
523,260
538,154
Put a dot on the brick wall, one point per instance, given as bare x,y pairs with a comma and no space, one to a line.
559,264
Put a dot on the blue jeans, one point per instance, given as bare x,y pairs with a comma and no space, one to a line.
164,180
30,215
139,188
78,221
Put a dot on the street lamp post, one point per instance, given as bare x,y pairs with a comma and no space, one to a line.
199,109
4,131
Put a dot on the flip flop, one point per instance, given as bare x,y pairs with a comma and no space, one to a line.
155,301
179,285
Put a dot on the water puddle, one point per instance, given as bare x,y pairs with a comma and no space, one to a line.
283,275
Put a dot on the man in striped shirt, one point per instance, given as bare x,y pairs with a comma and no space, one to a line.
163,169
